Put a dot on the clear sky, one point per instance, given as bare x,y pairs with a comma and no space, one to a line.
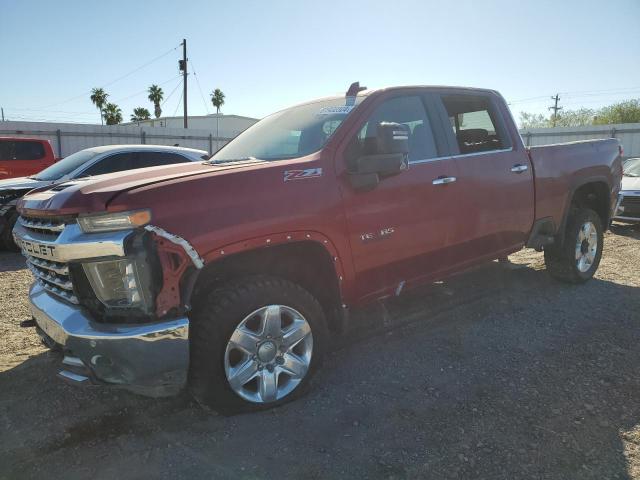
266,55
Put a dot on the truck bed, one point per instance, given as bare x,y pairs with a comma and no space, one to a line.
561,168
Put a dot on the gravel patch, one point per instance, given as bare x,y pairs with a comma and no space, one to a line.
498,373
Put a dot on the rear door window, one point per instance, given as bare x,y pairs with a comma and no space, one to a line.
476,123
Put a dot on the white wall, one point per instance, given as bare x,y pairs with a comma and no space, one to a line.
68,138
228,126
627,133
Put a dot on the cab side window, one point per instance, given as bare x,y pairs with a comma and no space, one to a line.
476,123
408,110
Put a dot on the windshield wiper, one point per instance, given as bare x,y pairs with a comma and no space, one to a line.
631,175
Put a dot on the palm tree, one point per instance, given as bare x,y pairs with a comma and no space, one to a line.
112,114
217,98
99,98
155,96
139,114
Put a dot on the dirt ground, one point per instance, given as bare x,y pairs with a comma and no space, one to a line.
499,373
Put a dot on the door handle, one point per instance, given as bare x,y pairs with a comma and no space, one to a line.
519,168
443,180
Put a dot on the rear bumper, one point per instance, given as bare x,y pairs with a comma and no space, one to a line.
147,358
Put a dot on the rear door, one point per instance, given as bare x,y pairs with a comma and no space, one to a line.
399,229
21,158
496,201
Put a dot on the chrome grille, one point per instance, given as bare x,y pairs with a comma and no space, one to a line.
631,206
46,227
53,276
629,200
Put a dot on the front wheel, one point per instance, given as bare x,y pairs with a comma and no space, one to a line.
254,344
577,260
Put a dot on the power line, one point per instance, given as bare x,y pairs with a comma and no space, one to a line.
172,92
193,70
85,113
145,90
178,105
583,93
114,81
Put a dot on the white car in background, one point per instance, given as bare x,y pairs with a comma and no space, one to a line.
628,209
85,163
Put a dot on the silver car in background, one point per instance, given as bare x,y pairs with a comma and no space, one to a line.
628,208
85,163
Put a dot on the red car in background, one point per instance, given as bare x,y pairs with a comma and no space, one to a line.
21,157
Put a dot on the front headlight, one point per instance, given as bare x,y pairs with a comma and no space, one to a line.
110,222
119,283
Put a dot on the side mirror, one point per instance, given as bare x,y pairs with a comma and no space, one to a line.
390,156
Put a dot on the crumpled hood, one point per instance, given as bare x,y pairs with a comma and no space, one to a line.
21,183
631,183
93,194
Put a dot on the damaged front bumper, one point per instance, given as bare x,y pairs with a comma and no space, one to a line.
148,352
150,358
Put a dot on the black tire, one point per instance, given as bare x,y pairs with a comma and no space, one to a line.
6,237
561,259
214,319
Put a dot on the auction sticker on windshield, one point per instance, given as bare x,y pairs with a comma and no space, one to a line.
336,110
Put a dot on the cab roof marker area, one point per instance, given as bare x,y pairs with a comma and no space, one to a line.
195,258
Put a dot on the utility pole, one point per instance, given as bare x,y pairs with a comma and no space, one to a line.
2,114
183,68
555,108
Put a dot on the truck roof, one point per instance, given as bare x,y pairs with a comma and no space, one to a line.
371,91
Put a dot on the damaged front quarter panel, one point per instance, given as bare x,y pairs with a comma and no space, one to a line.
180,263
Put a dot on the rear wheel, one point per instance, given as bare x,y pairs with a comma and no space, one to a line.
577,260
254,344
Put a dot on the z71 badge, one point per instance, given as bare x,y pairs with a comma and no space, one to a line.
302,174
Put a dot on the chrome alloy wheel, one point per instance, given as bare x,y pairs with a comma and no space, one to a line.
586,246
268,354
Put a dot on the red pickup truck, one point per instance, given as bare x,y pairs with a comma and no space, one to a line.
236,274
21,157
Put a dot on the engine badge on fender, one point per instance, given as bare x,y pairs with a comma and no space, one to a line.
302,174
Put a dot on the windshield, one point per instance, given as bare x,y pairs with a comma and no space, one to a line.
632,167
64,166
290,133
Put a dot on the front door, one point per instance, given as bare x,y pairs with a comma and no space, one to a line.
398,229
